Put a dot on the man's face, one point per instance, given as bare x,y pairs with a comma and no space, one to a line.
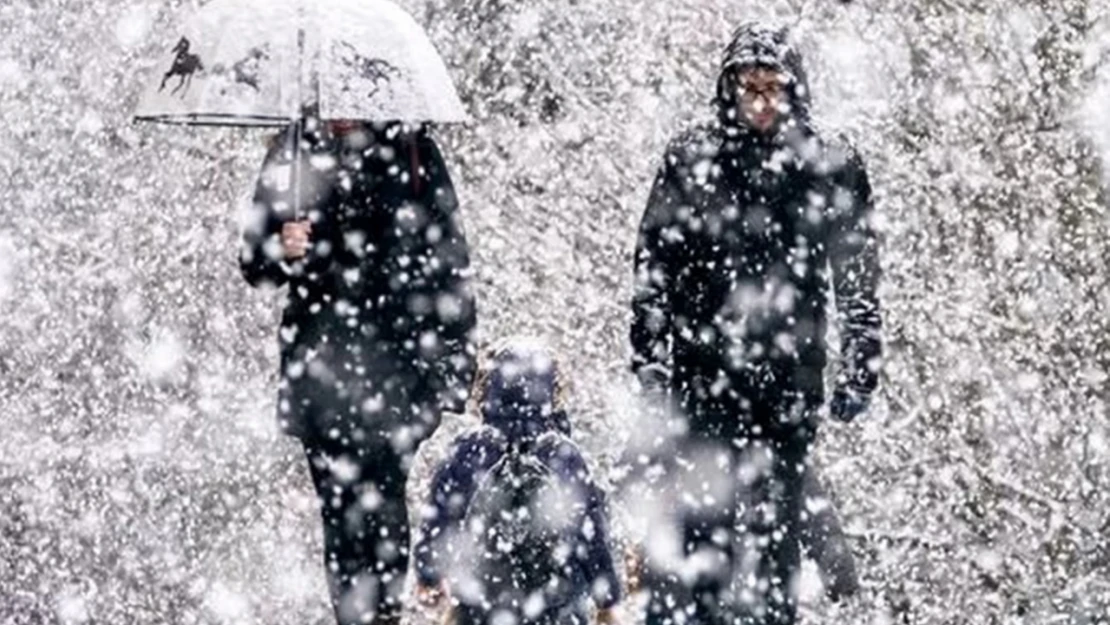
762,95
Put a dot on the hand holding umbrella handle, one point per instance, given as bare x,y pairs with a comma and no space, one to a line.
295,241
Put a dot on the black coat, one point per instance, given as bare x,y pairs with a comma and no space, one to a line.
742,237
375,335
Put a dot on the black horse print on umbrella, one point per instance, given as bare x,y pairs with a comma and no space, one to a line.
184,66
239,66
247,69
377,71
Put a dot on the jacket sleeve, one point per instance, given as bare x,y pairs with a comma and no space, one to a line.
652,313
595,556
437,293
605,586
452,488
854,261
260,251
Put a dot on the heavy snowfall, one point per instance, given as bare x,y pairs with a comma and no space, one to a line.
143,478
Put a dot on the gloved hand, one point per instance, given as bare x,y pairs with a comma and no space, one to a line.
848,404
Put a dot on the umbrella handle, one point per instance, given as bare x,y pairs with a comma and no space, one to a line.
295,267
295,171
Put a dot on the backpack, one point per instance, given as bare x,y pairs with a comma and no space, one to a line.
522,549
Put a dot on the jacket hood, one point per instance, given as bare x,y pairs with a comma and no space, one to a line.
755,44
520,397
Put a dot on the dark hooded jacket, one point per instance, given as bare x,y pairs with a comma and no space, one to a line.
375,334
743,235
519,409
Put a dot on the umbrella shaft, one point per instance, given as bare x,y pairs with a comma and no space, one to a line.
298,131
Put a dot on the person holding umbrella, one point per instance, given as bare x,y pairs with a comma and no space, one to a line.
375,337
355,212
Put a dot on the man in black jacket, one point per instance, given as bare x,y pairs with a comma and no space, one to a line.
750,220
375,335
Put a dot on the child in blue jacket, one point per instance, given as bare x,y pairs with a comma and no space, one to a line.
536,563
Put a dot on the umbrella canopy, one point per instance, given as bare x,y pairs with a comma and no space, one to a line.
266,62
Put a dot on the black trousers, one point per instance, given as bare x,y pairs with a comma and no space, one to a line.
736,502
361,488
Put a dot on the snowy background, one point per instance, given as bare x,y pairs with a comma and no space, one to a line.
141,476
